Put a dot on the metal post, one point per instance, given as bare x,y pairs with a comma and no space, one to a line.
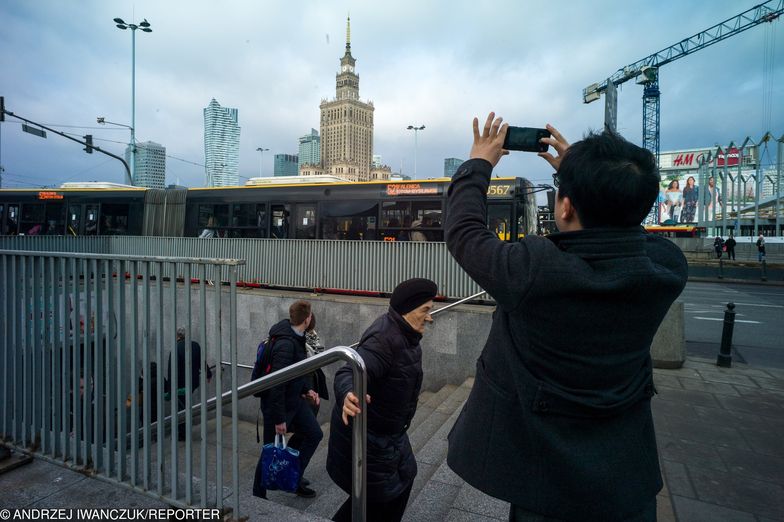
757,187
764,267
133,105
721,267
725,354
416,134
779,161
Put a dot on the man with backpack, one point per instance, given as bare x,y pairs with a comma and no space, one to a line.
286,407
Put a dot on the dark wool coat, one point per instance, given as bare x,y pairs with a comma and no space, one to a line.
393,359
559,421
288,348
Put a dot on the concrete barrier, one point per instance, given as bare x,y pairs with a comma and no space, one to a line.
450,347
668,349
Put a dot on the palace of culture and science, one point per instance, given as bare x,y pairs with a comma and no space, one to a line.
347,129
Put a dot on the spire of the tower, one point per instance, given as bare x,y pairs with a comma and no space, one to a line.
348,33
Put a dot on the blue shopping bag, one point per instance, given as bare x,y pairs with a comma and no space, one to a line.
280,466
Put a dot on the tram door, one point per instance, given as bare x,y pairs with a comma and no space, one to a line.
279,221
305,221
74,220
499,220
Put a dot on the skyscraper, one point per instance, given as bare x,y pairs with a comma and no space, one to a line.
221,145
347,125
286,165
150,168
450,166
309,153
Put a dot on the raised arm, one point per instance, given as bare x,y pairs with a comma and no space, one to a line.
504,270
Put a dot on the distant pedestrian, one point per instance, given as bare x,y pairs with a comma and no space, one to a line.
718,246
182,390
730,244
313,346
761,248
286,407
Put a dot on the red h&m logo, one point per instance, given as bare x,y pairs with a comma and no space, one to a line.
683,159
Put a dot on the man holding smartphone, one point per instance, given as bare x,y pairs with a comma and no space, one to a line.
559,421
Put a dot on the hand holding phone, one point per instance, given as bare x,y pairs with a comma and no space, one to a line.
526,139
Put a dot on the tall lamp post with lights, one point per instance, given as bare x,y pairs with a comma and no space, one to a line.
416,133
145,27
262,150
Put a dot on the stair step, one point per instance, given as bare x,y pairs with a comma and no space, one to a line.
331,497
431,459
315,472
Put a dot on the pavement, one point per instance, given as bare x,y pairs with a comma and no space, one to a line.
720,433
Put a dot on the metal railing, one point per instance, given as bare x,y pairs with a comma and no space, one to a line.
73,390
305,367
376,266
81,368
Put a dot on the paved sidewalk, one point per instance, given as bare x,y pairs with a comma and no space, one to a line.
720,433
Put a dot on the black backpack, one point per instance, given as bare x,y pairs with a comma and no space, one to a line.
263,363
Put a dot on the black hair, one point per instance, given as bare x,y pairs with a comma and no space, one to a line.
610,182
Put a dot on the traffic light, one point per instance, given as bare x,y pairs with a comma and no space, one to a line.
2,108
89,141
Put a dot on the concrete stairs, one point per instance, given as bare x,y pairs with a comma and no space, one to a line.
437,494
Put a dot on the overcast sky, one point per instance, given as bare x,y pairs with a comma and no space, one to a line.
432,63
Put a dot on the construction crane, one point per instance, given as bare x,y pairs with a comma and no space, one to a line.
646,71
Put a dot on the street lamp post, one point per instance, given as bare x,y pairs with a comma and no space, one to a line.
261,159
144,26
416,133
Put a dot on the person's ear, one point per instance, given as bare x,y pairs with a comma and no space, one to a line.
568,213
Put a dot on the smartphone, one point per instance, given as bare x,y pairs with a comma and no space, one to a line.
526,139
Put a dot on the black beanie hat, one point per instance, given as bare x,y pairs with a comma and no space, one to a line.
411,294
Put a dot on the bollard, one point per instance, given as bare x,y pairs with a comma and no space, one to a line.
764,270
721,268
725,352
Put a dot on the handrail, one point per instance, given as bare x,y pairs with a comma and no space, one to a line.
304,367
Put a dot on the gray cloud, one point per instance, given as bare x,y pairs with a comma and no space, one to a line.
433,63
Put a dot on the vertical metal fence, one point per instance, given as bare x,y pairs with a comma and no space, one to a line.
369,266
85,344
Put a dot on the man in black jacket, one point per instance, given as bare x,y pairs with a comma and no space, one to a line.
559,422
286,407
182,389
393,360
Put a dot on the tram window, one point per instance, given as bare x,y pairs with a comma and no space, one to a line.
33,219
74,220
261,219
279,228
55,219
526,220
12,220
91,220
499,220
305,224
2,219
349,220
114,220
205,213
222,215
412,221
244,215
